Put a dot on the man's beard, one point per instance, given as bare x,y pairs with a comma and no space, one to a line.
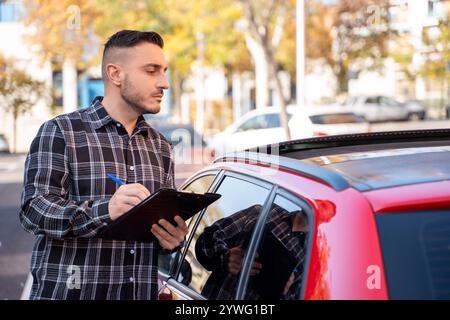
133,99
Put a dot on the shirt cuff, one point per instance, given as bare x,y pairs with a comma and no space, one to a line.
100,213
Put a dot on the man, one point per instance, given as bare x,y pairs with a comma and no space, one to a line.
67,198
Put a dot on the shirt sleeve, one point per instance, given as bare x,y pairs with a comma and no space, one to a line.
45,204
170,181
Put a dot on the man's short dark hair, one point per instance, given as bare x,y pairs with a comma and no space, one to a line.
128,39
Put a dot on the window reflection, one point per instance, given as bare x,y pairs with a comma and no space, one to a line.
220,242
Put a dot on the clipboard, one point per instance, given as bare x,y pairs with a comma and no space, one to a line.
135,224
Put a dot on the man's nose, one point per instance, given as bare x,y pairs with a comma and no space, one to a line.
163,83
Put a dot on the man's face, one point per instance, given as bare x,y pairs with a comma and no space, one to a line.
144,78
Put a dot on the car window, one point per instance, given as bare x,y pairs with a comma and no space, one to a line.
336,118
372,100
254,123
265,121
389,102
416,255
200,185
277,270
220,241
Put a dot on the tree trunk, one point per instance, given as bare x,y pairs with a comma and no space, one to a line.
279,89
342,81
261,71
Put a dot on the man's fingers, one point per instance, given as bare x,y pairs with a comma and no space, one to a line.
135,192
235,259
181,224
157,230
170,228
164,243
130,200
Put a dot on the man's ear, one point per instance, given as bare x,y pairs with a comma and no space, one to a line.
114,73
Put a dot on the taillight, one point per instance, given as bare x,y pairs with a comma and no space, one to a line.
320,133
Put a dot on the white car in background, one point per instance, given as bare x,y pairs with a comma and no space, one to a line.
262,126
382,108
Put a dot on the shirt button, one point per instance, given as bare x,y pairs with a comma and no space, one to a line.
105,224
131,168
118,124
132,251
131,279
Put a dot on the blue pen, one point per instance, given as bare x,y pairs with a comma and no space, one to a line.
116,180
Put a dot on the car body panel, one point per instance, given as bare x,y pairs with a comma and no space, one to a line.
433,195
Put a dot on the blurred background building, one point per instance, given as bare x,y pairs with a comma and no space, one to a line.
212,92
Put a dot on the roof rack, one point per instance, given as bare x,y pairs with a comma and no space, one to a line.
353,139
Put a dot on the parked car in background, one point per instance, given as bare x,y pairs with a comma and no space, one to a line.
190,150
263,126
375,207
382,108
4,147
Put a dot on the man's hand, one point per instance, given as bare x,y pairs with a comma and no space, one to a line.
233,262
125,198
168,235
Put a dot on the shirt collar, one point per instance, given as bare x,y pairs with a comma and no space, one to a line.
99,117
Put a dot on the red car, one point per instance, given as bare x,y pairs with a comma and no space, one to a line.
363,216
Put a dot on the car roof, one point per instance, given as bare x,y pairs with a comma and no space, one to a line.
363,161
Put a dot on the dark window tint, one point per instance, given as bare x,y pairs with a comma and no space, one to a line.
266,121
372,100
389,102
200,185
336,118
277,270
416,254
218,246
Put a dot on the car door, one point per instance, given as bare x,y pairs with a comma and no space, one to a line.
392,110
168,263
223,230
372,109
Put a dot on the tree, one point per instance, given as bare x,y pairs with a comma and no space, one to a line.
264,30
437,56
19,92
349,36
63,30
360,37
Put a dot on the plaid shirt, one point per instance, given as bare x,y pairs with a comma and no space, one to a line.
236,230
65,204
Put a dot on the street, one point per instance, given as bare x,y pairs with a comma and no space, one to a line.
16,244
